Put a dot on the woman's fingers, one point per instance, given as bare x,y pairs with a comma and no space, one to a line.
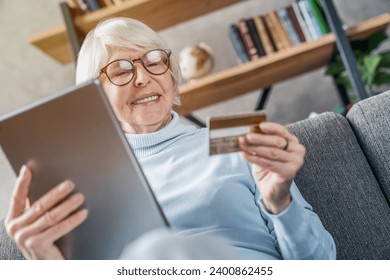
270,146
272,152
35,229
288,168
41,246
19,195
274,149
39,207
270,128
50,218
65,226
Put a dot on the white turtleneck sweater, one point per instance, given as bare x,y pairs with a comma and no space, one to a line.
217,194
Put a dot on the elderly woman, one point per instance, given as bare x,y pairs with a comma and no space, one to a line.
249,198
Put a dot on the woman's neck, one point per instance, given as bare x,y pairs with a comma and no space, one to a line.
144,129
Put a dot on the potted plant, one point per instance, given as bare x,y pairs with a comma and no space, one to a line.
374,65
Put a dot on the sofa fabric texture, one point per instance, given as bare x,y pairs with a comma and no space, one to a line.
338,182
346,178
8,249
370,120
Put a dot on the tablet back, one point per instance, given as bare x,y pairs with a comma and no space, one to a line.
75,135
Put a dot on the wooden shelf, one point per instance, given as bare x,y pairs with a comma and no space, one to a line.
224,85
270,69
157,14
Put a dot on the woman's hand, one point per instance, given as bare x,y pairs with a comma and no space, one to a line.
276,156
35,228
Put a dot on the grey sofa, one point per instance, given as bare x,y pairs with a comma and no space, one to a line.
346,178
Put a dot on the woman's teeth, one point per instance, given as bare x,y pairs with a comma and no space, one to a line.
147,99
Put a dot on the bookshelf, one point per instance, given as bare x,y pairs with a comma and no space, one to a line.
224,85
270,69
157,14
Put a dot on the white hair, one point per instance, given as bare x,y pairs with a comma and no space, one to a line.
120,32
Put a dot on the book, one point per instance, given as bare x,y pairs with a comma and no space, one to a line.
74,5
246,38
302,22
288,26
273,34
268,44
306,17
296,24
105,3
255,36
312,18
319,17
282,33
93,5
238,44
81,5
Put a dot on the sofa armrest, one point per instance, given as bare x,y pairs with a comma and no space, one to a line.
337,181
8,249
370,120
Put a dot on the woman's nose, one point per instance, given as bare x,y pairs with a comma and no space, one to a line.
142,77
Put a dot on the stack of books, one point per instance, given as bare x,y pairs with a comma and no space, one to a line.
257,36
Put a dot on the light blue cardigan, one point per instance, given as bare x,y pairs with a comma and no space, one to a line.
202,194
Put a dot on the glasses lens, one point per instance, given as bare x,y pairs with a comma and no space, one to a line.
156,62
120,72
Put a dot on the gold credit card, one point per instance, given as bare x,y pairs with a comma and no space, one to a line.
224,131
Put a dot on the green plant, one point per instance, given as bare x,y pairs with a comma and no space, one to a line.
374,66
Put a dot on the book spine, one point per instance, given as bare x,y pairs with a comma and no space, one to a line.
250,47
307,19
102,3
238,44
83,6
295,22
318,15
280,29
255,37
302,22
313,18
74,5
268,45
288,26
273,33
93,5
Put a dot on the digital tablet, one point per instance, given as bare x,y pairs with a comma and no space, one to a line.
75,135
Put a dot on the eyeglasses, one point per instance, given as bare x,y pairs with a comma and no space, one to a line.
121,71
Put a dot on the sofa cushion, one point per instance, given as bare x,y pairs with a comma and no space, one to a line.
370,120
337,181
8,249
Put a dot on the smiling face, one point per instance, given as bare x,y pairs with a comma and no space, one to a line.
143,105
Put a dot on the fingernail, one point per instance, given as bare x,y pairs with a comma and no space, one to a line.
78,198
22,170
84,213
66,186
241,139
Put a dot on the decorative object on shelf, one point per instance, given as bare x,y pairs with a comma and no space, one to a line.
196,61
374,65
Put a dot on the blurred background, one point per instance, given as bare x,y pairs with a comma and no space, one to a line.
27,74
